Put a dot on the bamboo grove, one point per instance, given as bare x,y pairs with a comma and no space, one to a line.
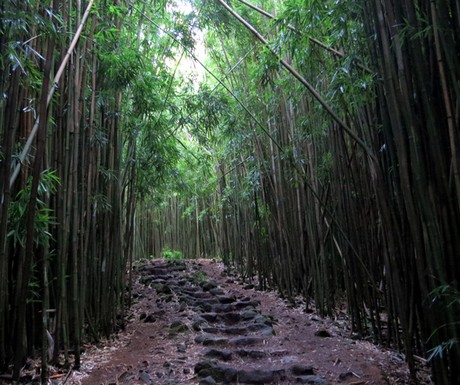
318,153
83,84
335,163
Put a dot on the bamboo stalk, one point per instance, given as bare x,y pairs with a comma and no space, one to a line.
57,78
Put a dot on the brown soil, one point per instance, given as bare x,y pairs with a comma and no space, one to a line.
289,345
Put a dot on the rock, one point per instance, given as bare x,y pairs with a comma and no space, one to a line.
150,319
261,376
245,304
207,381
218,372
210,317
162,289
230,317
210,340
178,327
322,333
219,354
145,377
245,341
248,286
226,299
256,354
263,320
248,315
197,324
217,291
311,380
223,308
208,285
302,370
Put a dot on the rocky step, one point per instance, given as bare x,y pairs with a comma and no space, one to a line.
211,340
215,372
239,330
231,318
231,330
227,355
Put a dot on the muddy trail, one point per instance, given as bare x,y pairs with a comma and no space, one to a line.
194,322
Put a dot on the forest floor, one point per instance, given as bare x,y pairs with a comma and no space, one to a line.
194,322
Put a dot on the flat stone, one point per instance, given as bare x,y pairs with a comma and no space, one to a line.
263,320
245,341
217,291
256,327
261,376
311,380
245,304
226,299
230,317
220,373
223,308
256,354
178,326
248,315
162,288
156,270
200,294
210,317
219,354
208,285
208,381
210,340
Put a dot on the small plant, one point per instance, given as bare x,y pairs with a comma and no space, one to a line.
171,255
199,277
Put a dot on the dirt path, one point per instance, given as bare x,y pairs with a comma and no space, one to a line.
194,323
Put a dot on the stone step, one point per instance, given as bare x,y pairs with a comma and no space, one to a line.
228,374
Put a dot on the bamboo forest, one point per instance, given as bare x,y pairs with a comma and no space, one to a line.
310,145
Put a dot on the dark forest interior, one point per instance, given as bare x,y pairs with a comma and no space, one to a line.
311,144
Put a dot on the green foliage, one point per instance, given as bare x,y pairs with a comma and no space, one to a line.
171,255
199,276
448,298
43,215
